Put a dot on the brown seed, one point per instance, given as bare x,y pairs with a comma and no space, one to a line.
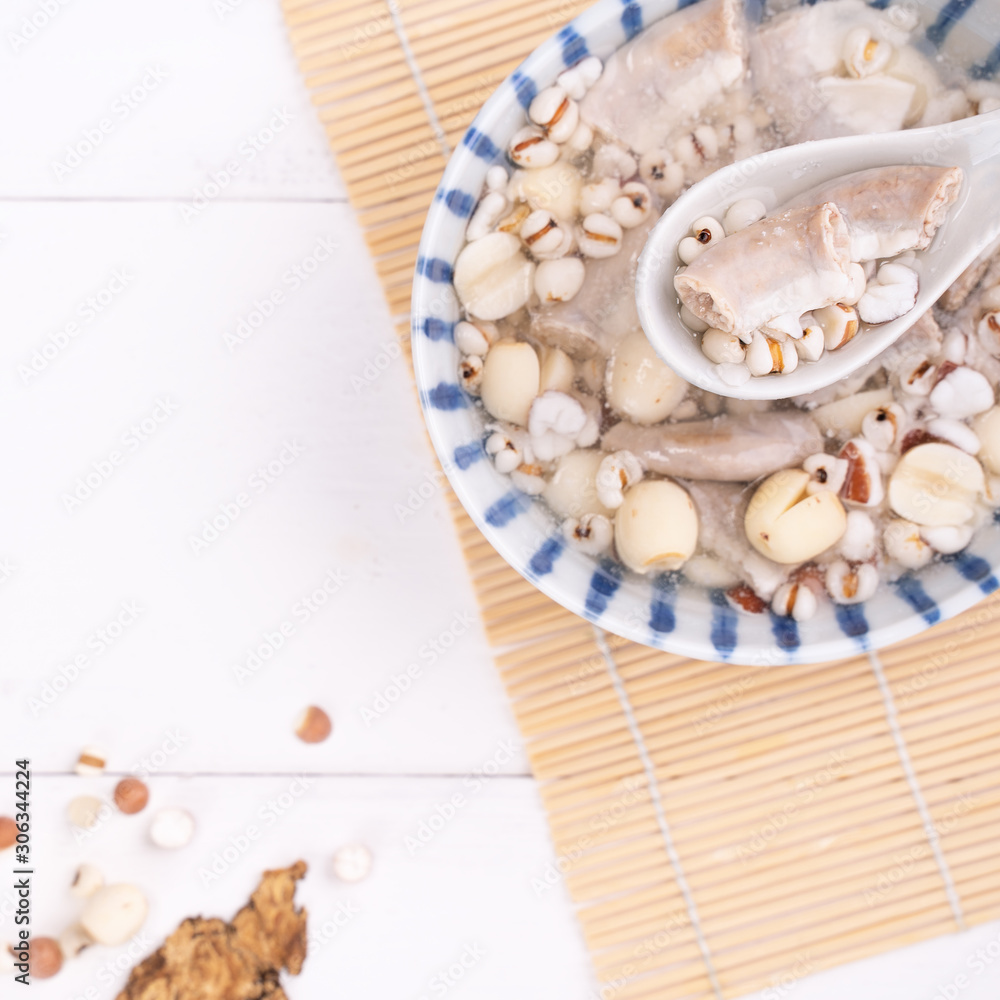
44,957
131,796
8,833
314,725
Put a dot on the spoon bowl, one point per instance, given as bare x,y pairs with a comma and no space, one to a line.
781,175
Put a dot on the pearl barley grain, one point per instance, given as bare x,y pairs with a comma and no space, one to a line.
352,863
314,725
171,829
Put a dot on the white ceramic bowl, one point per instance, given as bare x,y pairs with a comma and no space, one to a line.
663,611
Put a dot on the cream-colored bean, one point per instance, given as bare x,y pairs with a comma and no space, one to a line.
936,484
557,370
488,213
858,543
511,376
956,432
890,295
839,324
474,338
733,373
851,584
948,538
633,206
903,543
962,393
597,197
559,280
497,178
883,426
662,173
618,471
656,527
591,534
505,450
599,236
493,278
553,110
571,490
794,600
859,282
542,234
827,473
722,348
470,374
639,385
529,147
987,429
689,250
785,524
698,147
812,343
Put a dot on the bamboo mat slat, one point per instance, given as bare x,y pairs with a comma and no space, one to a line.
720,829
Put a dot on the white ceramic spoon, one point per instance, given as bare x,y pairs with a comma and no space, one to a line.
776,178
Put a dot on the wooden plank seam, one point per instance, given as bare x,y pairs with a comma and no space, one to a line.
656,801
905,760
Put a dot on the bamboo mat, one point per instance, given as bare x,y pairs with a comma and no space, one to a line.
720,829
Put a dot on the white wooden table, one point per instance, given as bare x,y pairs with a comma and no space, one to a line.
183,474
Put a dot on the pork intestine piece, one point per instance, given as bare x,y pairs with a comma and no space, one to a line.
603,312
889,210
786,264
664,78
732,449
